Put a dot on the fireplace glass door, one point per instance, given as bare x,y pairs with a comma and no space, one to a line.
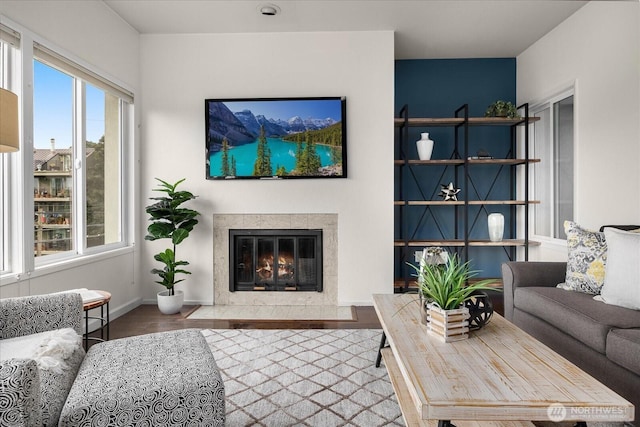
275,260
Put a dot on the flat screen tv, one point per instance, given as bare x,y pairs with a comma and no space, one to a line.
272,138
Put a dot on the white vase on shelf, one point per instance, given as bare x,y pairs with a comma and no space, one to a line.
425,146
495,222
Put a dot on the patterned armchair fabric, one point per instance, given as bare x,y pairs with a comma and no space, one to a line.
165,379
19,393
55,388
40,313
23,387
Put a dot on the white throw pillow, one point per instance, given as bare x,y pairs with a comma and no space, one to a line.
49,349
622,275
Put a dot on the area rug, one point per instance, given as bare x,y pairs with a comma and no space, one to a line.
275,312
311,377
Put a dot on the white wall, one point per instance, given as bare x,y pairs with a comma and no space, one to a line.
180,71
88,29
93,35
598,48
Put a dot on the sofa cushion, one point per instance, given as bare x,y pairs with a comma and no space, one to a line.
623,348
622,280
576,313
587,257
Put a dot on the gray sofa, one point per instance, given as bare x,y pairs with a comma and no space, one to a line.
602,339
161,379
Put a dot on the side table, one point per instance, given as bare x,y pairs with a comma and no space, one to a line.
103,303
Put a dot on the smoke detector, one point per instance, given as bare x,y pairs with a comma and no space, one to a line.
269,9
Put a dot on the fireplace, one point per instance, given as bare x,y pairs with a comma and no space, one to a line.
275,260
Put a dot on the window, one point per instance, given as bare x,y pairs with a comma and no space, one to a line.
77,158
62,195
53,174
9,48
553,176
103,204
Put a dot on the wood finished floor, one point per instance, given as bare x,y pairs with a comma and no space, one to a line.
147,319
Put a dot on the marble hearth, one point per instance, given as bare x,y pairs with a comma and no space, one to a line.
222,223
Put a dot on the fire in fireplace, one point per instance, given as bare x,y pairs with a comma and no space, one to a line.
275,260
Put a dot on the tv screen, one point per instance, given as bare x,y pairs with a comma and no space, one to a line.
264,138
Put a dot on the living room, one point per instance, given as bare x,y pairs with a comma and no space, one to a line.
595,49
171,111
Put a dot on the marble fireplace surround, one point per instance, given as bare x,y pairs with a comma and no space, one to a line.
328,223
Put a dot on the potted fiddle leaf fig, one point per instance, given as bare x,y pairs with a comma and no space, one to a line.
170,220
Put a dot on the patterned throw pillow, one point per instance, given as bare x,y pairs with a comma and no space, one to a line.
586,261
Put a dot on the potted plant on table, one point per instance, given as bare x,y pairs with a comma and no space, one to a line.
170,220
444,288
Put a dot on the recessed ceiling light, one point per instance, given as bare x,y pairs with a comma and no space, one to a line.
269,9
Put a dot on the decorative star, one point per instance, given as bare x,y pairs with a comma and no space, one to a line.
449,192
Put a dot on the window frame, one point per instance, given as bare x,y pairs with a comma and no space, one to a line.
10,164
79,231
551,179
17,170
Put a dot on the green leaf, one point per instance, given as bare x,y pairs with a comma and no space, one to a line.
179,235
160,230
446,285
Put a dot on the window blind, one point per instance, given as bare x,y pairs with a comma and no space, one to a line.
49,57
9,35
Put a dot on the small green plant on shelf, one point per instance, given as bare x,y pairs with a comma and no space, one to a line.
502,109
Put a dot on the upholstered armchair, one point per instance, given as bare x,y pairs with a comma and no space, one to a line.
30,396
60,385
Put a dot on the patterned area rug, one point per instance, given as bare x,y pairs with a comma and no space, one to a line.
311,377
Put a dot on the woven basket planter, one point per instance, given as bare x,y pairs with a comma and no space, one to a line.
448,325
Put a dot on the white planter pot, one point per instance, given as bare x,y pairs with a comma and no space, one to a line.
170,304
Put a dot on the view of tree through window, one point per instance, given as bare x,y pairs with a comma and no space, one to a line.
102,168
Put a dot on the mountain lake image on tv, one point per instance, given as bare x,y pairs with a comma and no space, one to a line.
276,138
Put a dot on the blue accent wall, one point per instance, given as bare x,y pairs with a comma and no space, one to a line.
436,88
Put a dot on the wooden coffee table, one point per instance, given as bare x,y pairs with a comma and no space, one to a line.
500,376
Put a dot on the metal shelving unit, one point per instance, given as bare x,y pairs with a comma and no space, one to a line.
462,166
